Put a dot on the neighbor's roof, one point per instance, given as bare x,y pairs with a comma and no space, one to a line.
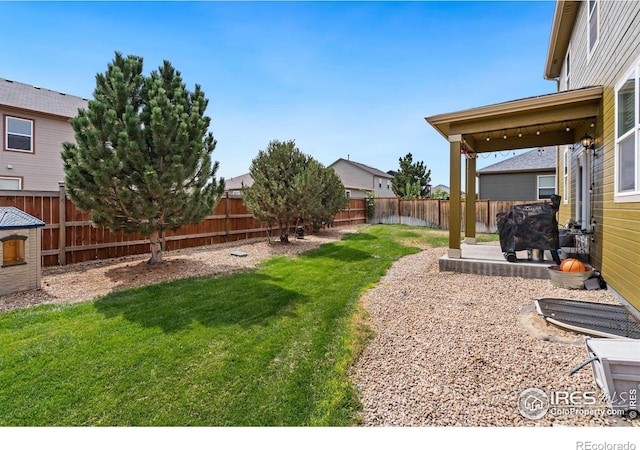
239,182
536,160
11,217
371,170
33,98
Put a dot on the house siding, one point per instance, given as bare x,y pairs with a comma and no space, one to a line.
42,169
616,245
509,186
353,176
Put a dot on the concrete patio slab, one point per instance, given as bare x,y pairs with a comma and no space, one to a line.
487,259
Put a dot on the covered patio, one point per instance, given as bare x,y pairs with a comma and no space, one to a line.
549,120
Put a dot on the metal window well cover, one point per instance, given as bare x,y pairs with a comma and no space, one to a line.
616,370
596,319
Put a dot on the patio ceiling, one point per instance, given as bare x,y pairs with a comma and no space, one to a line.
530,122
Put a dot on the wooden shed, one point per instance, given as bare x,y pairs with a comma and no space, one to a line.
20,239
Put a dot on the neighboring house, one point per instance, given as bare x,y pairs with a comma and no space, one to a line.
359,179
528,176
35,123
234,186
594,57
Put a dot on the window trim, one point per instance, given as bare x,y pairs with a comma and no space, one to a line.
20,181
538,185
634,133
565,176
567,68
596,10
15,237
5,141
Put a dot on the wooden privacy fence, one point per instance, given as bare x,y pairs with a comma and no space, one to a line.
434,213
68,236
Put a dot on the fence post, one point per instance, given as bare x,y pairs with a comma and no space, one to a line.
62,230
226,216
488,216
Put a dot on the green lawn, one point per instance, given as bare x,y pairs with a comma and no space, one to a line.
268,347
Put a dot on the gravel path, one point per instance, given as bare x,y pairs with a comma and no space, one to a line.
457,349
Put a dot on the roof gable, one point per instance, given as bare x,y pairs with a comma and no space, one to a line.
532,161
33,98
369,169
11,217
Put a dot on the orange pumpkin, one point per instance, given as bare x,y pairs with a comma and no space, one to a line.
572,265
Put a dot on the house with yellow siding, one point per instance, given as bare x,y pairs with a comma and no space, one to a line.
597,43
593,120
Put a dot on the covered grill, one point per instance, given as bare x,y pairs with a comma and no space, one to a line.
531,226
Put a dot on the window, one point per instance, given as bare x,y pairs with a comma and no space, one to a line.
627,166
567,68
13,250
565,177
594,10
10,183
379,182
348,194
546,186
18,134
388,184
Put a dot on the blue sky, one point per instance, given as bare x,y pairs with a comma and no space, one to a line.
344,79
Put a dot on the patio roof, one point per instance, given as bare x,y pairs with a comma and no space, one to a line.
546,120
529,122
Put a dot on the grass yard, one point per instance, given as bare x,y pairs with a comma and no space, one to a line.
269,347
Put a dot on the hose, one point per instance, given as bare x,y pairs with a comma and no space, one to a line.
586,363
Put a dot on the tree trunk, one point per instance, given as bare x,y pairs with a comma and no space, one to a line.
156,248
284,232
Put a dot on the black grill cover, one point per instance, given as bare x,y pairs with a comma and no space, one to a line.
530,226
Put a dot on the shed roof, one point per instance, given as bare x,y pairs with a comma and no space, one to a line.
34,98
536,160
11,217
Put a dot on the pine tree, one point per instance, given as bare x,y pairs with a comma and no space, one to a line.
289,186
272,197
412,180
142,157
327,195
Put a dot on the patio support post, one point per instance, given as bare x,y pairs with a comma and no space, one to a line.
455,142
470,202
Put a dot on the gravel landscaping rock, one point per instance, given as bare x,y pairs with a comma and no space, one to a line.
457,349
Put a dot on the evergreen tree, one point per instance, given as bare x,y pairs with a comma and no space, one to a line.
325,194
289,186
272,198
142,157
412,179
